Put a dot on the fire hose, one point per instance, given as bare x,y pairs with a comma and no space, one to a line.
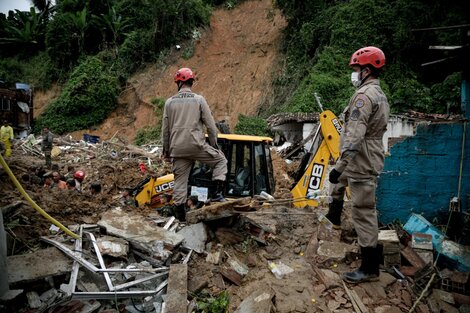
32,203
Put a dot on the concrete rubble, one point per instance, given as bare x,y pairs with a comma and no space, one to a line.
265,257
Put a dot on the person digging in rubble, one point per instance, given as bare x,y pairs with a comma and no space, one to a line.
79,176
57,181
6,136
48,180
46,146
362,159
71,184
184,117
95,188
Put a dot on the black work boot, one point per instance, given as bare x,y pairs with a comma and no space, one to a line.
369,269
219,192
180,212
334,213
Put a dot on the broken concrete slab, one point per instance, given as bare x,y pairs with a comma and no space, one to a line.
259,301
385,279
329,278
177,295
238,266
328,234
30,267
137,230
113,246
195,237
387,309
33,299
215,211
334,250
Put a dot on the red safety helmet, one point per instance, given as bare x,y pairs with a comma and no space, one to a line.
368,56
79,175
183,74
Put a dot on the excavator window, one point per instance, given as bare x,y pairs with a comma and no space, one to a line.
240,170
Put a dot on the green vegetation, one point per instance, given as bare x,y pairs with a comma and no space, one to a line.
91,47
88,97
251,125
150,134
58,43
209,304
322,35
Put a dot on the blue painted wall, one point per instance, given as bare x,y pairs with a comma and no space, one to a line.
422,172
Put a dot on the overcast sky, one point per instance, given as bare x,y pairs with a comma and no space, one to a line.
7,5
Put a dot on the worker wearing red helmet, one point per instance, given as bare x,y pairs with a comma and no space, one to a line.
79,176
362,158
186,117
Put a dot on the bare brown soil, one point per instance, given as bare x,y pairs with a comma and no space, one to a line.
234,61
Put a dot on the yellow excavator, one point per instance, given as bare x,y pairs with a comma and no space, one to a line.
250,169
249,172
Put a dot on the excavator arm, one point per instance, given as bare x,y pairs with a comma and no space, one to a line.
325,147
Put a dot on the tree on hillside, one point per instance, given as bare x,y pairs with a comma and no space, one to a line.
24,31
322,34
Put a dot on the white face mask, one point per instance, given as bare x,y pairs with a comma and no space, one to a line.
355,79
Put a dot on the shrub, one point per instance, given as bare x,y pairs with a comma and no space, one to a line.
87,98
252,125
150,134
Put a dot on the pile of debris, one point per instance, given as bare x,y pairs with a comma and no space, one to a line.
245,255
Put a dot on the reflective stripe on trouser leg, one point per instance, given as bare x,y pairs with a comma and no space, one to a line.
364,213
181,169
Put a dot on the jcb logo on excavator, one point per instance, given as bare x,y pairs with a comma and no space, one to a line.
165,186
337,125
315,177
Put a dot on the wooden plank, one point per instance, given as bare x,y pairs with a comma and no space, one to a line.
348,292
359,302
177,295
231,275
412,257
215,211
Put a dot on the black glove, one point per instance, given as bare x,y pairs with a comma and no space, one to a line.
334,176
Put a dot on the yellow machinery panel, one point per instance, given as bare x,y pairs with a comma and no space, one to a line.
157,192
325,147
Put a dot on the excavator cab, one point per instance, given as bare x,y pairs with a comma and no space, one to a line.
249,172
249,168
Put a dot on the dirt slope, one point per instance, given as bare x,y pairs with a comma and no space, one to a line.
234,61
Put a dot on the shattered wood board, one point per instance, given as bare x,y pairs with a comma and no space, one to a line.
138,231
214,211
31,266
177,295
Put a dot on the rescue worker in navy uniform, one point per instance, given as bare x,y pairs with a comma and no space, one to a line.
185,117
362,159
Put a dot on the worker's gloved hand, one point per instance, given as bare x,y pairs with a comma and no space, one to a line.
334,176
